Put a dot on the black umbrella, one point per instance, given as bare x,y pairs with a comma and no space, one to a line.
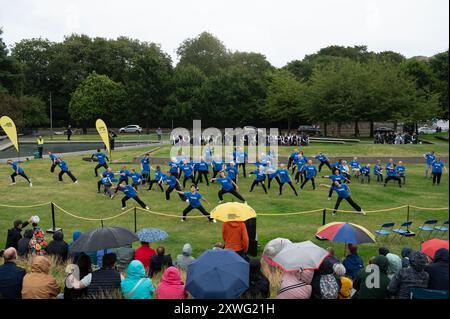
104,238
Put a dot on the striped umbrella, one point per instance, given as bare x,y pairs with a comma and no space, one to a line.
348,233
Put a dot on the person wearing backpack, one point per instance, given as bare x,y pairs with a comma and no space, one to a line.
325,284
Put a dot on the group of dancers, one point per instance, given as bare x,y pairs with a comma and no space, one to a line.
300,166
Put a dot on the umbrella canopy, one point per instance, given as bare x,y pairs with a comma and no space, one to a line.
305,255
430,247
233,211
218,274
104,238
150,235
346,233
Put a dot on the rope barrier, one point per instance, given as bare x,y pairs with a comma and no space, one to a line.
93,219
174,215
25,206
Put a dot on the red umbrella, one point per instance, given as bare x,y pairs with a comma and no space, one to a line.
430,247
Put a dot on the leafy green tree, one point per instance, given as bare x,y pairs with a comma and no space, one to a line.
439,67
11,76
34,111
206,52
96,97
285,99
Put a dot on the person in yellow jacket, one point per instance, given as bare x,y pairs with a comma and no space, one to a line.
346,283
40,145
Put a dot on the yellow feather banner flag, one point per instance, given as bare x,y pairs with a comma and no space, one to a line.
9,127
103,131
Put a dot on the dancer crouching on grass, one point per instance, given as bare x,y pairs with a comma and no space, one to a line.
65,170
284,178
160,177
228,186
193,198
18,170
259,178
343,192
54,159
130,192
335,177
173,184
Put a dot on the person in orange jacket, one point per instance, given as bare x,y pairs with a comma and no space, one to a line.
235,237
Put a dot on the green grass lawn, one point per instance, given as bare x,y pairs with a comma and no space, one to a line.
81,199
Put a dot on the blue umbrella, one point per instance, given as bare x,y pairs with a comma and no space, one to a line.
218,274
150,235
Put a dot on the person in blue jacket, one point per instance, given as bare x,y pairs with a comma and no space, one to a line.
285,178
228,186
311,172
356,168
335,177
202,172
173,184
378,171
188,172
241,159
65,170
391,173
108,173
300,164
217,166
18,170
145,168
365,173
353,263
272,173
101,158
232,172
436,170
124,173
260,177
292,157
130,192
429,158
323,161
107,184
136,178
160,177
174,167
400,171
343,192
193,198
54,159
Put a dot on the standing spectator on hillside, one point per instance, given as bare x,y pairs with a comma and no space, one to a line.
11,276
14,234
436,171
353,263
413,276
39,284
159,261
69,132
429,158
438,270
58,247
235,237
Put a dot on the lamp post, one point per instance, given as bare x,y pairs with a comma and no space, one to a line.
51,117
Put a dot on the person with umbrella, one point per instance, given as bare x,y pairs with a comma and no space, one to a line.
235,237
193,198
130,192
343,192
145,253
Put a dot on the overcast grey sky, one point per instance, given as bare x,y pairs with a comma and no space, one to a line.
282,30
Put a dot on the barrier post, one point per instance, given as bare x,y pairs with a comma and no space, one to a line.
135,220
53,229
101,221
407,217
324,216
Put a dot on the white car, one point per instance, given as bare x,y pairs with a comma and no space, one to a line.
131,129
426,130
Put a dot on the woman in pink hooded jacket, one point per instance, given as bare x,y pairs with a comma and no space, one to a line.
296,285
171,286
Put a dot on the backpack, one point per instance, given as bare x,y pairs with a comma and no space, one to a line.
329,288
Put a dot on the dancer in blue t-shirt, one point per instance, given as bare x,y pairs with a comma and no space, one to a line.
193,198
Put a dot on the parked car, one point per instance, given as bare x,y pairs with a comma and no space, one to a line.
309,129
131,129
426,130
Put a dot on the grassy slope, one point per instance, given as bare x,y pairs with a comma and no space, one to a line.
82,199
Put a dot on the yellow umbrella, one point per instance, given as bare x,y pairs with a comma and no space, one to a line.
233,211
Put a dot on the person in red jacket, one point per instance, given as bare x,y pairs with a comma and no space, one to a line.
171,286
144,255
235,237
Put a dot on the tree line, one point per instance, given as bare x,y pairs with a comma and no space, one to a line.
127,81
